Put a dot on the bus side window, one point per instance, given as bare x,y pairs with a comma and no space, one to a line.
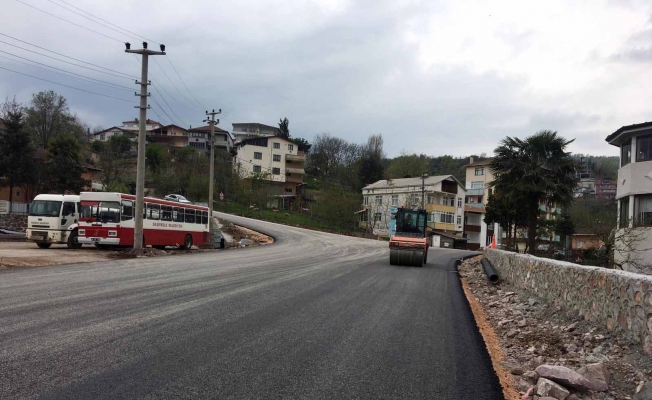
166,213
78,205
204,217
68,209
177,214
190,216
127,210
154,211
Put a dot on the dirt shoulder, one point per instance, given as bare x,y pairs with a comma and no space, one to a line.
531,333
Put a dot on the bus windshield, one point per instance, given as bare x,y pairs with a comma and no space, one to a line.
102,211
44,208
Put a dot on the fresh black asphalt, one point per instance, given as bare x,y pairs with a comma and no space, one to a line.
313,316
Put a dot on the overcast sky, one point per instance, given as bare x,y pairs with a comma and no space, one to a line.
434,77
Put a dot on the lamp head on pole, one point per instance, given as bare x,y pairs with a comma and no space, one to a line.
128,46
144,45
162,47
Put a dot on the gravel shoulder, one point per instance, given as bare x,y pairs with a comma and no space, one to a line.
532,333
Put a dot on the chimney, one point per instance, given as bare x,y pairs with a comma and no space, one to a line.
471,159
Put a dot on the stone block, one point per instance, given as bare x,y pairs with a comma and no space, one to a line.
548,388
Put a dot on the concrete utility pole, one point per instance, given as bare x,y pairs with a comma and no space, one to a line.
211,178
423,190
142,137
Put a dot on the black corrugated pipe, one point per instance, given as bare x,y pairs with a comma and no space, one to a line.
492,276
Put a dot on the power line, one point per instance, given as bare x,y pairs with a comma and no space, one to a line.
171,110
83,16
68,86
103,83
67,62
70,22
101,19
59,54
184,83
161,108
170,80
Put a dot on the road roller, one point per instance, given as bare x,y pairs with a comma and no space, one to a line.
408,243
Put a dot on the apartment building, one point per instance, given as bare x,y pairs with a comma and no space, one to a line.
199,138
634,196
275,159
443,197
248,130
606,188
129,128
478,178
169,135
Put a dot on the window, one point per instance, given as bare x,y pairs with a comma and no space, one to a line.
277,157
623,219
626,153
177,214
459,202
644,148
479,171
68,209
276,171
477,185
643,209
579,244
379,200
153,211
459,220
377,217
127,210
190,216
288,190
394,199
256,168
365,200
204,217
102,136
166,213
290,147
258,155
444,217
277,145
431,217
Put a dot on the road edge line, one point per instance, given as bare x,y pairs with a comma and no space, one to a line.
492,344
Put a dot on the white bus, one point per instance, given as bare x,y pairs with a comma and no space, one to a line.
53,218
107,219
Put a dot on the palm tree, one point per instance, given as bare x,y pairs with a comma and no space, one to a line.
533,172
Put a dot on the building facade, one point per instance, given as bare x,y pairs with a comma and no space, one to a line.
273,159
478,178
606,188
633,243
248,130
443,198
199,138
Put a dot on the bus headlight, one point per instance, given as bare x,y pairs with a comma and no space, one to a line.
113,233
81,232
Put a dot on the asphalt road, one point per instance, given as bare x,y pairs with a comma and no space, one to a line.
312,316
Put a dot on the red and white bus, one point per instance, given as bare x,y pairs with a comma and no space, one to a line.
107,219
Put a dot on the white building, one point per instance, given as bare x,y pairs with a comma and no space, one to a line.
634,196
134,125
199,138
478,178
274,159
443,197
129,128
248,130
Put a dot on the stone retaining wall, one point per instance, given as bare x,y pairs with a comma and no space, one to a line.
14,222
618,300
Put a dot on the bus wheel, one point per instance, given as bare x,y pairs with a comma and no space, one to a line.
187,243
43,245
73,243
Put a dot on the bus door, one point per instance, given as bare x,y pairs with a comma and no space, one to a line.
69,215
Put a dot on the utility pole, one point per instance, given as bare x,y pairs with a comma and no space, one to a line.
423,190
211,178
142,137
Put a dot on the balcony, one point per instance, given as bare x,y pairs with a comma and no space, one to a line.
475,192
296,158
474,207
438,207
295,171
472,228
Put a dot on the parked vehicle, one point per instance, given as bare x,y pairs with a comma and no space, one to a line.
177,197
53,218
107,219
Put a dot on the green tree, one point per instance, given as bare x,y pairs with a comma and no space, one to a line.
302,144
166,181
156,157
534,171
372,168
564,227
16,152
407,165
284,128
48,116
64,169
113,162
